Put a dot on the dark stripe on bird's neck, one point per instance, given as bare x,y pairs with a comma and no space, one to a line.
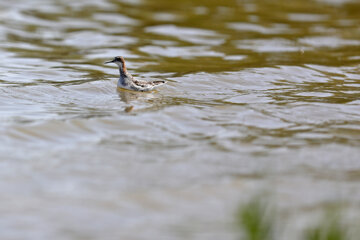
123,71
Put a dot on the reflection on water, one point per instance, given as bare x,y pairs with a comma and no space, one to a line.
129,96
259,93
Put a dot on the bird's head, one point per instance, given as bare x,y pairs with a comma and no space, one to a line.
118,60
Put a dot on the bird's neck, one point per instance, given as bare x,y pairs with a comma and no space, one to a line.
122,69
125,77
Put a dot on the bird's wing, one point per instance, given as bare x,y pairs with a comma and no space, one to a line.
158,82
140,83
147,83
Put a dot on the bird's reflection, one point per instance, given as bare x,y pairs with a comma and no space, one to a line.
129,97
129,108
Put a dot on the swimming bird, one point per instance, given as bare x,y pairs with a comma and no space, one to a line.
129,82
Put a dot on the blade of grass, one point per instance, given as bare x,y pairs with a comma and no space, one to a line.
329,228
255,220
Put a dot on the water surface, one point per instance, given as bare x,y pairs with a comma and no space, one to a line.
260,95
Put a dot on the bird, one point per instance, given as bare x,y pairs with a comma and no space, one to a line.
127,81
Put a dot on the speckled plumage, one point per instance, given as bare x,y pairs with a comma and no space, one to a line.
129,82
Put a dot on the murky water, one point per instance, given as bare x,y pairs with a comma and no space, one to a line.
260,95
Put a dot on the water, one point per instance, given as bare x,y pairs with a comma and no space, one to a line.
260,95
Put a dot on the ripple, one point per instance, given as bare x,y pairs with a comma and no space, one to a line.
268,45
315,94
337,2
182,52
249,99
193,35
330,42
166,17
235,57
116,18
325,114
95,39
251,27
306,17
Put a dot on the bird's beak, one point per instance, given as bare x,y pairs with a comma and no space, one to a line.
111,61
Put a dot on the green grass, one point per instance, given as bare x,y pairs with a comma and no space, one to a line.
329,228
257,220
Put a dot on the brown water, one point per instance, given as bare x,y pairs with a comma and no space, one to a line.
260,95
